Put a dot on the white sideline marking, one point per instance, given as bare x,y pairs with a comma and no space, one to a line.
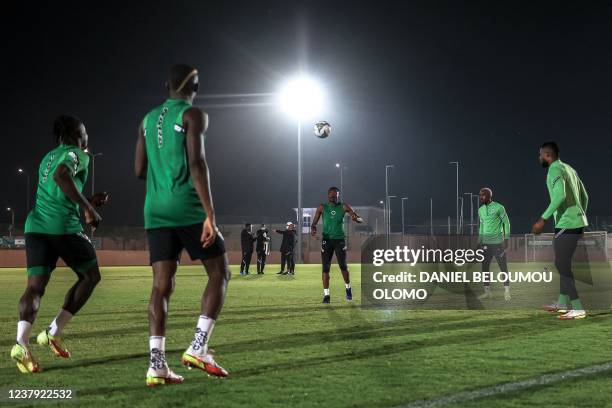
509,387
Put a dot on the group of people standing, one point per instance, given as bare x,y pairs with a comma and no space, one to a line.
261,238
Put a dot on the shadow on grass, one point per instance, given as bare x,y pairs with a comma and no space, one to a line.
281,343
252,276
490,331
494,332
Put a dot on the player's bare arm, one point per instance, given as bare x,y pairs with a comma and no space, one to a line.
315,220
140,159
354,216
63,179
196,123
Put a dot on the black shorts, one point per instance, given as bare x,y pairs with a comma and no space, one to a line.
328,248
167,243
43,251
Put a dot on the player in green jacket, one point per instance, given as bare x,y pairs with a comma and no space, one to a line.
179,214
493,237
53,230
568,204
334,238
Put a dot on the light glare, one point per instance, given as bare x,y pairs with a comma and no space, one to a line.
301,98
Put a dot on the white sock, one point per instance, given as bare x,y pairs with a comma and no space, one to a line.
157,342
57,325
23,332
157,349
325,292
507,288
487,289
347,285
199,345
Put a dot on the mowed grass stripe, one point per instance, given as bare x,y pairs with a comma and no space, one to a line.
283,348
512,387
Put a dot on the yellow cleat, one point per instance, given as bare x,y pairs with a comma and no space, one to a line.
26,363
162,377
54,342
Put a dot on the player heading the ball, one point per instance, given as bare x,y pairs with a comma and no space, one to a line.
334,238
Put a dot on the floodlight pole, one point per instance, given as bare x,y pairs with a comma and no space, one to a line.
431,216
341,167
341,180
456,163
300,217
12,210
477,196
461,215
403,229
22,171
93,171
387,203
389,215
93,178
471,212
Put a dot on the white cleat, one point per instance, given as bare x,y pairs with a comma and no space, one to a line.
486,295
165,376
573,314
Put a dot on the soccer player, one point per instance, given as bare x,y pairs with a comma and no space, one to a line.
493,237
334,238
568,204
53,230
262,247
286,249
179,214
246,242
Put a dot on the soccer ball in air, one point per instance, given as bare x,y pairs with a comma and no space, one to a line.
322,129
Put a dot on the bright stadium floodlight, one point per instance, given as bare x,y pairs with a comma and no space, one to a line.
301,98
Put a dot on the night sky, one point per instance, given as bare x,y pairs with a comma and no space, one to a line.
415,84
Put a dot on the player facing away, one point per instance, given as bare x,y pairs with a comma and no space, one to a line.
493,235
53,230
179,214
334,238
568,204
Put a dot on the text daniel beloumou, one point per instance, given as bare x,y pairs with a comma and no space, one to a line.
459,257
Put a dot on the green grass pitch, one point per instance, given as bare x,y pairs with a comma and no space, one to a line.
283,348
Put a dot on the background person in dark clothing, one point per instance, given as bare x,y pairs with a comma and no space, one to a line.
287,248
246,241
262,247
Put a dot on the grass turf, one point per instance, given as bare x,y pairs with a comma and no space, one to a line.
284,348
